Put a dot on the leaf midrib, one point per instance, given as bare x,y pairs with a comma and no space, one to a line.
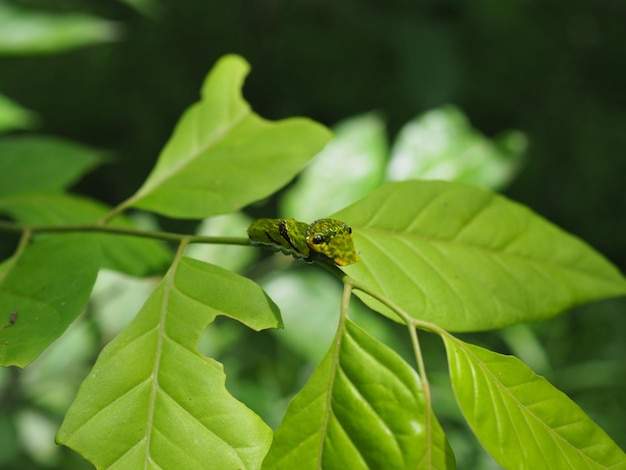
405,237
504,390
152,183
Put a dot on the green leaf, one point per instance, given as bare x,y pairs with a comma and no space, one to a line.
13,116
467,259
362,408
439,454
520,418
132,255
310,326
441,144
32,163
47,285
155,399
222,156
24,32
357,152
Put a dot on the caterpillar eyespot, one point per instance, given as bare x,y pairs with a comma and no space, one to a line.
324,240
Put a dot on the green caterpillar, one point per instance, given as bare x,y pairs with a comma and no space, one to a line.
325,239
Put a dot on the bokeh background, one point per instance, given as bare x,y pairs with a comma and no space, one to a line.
555,70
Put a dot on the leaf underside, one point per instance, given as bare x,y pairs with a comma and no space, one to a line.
155,399
520,418
362,408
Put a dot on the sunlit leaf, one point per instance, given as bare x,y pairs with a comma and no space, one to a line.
468,259
222,156
357,152
132,255
35,163
520,418
155,399
441,144
13,116
42,290
362,408
25,32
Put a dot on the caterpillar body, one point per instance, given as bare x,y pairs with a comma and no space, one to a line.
323,240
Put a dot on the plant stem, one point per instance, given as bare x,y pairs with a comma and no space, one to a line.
168,236
343,317
428,411
113,213
404,316
411,324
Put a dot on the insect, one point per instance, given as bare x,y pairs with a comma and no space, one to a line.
325,239
12,320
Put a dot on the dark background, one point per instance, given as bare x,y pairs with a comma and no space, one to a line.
553,69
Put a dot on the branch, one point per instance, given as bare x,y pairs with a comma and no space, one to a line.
168,236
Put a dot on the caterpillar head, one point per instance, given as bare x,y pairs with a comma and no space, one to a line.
333,239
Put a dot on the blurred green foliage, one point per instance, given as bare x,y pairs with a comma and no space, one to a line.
25,32
553,69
